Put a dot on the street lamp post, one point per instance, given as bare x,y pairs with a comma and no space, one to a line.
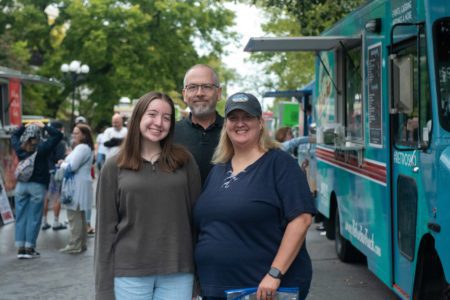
74,69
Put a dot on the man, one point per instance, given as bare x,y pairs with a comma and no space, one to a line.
200,131
114,136
100,149
54,187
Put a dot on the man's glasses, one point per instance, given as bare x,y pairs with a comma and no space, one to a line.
193,88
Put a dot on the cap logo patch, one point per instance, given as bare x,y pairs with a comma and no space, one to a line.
239,98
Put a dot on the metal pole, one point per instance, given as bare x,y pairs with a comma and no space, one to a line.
74,82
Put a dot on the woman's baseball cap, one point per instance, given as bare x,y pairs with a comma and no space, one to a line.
243,101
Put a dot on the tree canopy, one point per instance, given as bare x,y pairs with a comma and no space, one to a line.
131,47
297,18
134,46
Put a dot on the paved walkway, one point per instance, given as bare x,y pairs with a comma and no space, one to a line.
54,275
71,276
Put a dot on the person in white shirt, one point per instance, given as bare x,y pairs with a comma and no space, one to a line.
114,136
100,149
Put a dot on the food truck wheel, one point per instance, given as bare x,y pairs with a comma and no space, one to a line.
344,249
430,280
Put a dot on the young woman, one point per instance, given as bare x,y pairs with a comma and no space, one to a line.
80,162
145,195
254,211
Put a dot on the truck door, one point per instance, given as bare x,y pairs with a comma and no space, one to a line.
410,123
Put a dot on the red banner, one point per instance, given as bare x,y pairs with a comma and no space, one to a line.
15,103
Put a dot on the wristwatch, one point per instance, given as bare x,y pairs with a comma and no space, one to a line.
275,273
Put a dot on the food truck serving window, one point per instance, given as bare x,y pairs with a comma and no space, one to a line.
353,95
442,48
411,93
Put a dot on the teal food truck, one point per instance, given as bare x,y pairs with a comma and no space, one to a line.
382,93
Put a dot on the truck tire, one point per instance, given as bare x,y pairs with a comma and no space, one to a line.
328,225
430,280
345,251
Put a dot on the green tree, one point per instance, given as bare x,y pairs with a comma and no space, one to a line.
312,16
297,18
131,47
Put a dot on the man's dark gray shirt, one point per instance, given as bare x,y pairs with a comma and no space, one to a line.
199,141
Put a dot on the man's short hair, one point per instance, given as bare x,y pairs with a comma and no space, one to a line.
215,76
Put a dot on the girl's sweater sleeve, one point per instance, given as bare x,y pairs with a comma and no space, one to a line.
106,222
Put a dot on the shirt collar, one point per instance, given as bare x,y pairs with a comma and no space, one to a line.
217,123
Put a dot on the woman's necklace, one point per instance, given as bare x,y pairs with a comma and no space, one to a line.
152,158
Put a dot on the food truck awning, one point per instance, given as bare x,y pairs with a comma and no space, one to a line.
10,73
303,43
298,94
287,94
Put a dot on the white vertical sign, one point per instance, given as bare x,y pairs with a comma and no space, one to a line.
5,209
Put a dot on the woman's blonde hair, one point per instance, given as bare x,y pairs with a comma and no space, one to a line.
225,151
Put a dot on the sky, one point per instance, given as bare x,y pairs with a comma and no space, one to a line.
248,24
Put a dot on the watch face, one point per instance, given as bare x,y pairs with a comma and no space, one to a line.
275,273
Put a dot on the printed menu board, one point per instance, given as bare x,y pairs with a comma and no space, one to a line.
374,95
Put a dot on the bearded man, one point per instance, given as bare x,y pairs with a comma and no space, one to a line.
200,131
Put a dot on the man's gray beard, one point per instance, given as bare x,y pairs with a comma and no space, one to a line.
202,111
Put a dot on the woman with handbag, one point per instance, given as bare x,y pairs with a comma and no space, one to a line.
29,193
77,167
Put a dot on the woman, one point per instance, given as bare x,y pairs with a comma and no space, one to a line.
289,143
284,134
29,195
79,161
145,195
254,211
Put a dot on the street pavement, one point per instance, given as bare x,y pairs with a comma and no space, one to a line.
57,275
54,275
335,280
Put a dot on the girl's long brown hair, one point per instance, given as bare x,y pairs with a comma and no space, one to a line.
172,156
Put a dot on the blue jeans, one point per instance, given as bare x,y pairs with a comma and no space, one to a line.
100,160
88,214
177,286
29,203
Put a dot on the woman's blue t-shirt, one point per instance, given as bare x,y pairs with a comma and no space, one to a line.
241,220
